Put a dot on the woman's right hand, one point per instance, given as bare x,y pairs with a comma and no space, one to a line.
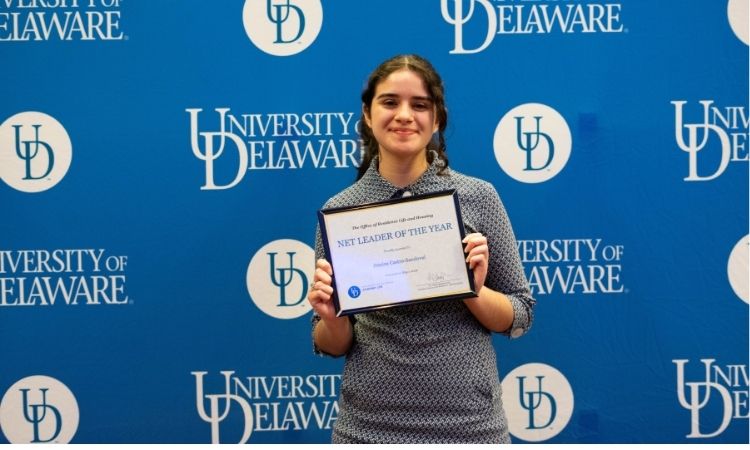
321,291
333,335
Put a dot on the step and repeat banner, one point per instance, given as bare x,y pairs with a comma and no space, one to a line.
162,163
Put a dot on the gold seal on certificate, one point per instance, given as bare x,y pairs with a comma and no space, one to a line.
396,252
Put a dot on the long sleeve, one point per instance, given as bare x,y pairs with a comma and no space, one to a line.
505,273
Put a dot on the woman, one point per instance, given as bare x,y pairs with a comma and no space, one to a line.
426,372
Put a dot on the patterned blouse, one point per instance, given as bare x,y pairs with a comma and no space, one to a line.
426,372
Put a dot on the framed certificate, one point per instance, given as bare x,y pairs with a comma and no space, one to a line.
396,252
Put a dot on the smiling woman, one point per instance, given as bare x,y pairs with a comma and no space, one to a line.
404,97
402,120
425,372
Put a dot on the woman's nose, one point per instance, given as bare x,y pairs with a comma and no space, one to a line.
404,113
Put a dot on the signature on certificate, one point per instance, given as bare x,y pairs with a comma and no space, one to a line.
436,276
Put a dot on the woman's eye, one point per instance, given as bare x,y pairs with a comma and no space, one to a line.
420,106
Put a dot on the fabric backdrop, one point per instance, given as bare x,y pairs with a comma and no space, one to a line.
163,162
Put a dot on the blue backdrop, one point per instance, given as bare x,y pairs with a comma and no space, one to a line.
163,163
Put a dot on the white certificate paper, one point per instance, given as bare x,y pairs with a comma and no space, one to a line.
396,252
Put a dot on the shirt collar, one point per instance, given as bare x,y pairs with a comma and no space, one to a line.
427,182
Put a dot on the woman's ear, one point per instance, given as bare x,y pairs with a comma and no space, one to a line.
366,115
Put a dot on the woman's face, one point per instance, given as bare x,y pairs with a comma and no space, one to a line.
402,115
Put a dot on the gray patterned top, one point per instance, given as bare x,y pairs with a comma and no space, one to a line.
427,373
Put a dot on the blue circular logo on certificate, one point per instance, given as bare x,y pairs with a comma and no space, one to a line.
354,291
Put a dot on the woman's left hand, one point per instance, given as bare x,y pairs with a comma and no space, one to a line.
478,256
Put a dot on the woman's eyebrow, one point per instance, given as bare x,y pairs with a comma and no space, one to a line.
416,97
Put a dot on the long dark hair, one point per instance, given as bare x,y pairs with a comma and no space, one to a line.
435,89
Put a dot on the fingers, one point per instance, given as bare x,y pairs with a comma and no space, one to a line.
322,278
324,265
477,257
472,240
476,248
320,300
323,273
321,289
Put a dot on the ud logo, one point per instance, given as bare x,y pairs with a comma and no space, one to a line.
697,395
209,153
458,20
38,410
216,413
35,152
32,414
529,141
354,291
277,278
538,400
699,136
279,13
25,152
532,143
283,277
282,27
531,401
